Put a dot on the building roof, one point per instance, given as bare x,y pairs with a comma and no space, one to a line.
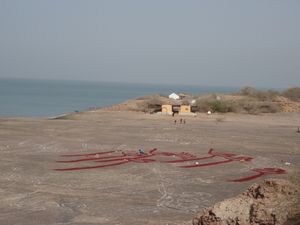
174,96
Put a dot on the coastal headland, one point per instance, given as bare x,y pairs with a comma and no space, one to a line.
113,166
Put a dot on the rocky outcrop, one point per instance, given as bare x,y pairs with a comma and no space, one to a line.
274,202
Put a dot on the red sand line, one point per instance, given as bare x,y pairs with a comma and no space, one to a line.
261,172
113,160
184,157
141,160
186,160
100,153
127,156
221,154
91,167
127,160
212,154
88,159
76,160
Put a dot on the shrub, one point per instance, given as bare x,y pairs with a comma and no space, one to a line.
292,93
248,91
185,102
268,95
255,107
269,107
149,104
222,106
202,105
219,106
154,96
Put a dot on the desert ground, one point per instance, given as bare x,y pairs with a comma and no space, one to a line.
136,187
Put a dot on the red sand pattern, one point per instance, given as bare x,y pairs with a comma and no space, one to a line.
119,157
261,172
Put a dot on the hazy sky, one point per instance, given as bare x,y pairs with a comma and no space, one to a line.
229,43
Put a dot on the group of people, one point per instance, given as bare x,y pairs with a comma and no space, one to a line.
181,121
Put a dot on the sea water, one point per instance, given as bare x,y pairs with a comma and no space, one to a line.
49,98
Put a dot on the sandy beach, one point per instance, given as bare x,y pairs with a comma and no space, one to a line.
112,182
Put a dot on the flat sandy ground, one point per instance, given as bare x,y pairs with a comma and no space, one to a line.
135,192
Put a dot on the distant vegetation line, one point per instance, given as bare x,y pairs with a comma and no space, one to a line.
247,100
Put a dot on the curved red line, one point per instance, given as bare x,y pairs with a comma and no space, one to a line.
90,167
248,178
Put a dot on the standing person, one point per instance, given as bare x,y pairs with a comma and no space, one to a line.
180,120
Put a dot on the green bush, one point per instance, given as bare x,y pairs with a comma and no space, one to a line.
222,106
202,105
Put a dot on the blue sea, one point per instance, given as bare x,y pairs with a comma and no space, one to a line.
50,98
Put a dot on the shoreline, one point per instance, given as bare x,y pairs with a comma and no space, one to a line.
246,100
